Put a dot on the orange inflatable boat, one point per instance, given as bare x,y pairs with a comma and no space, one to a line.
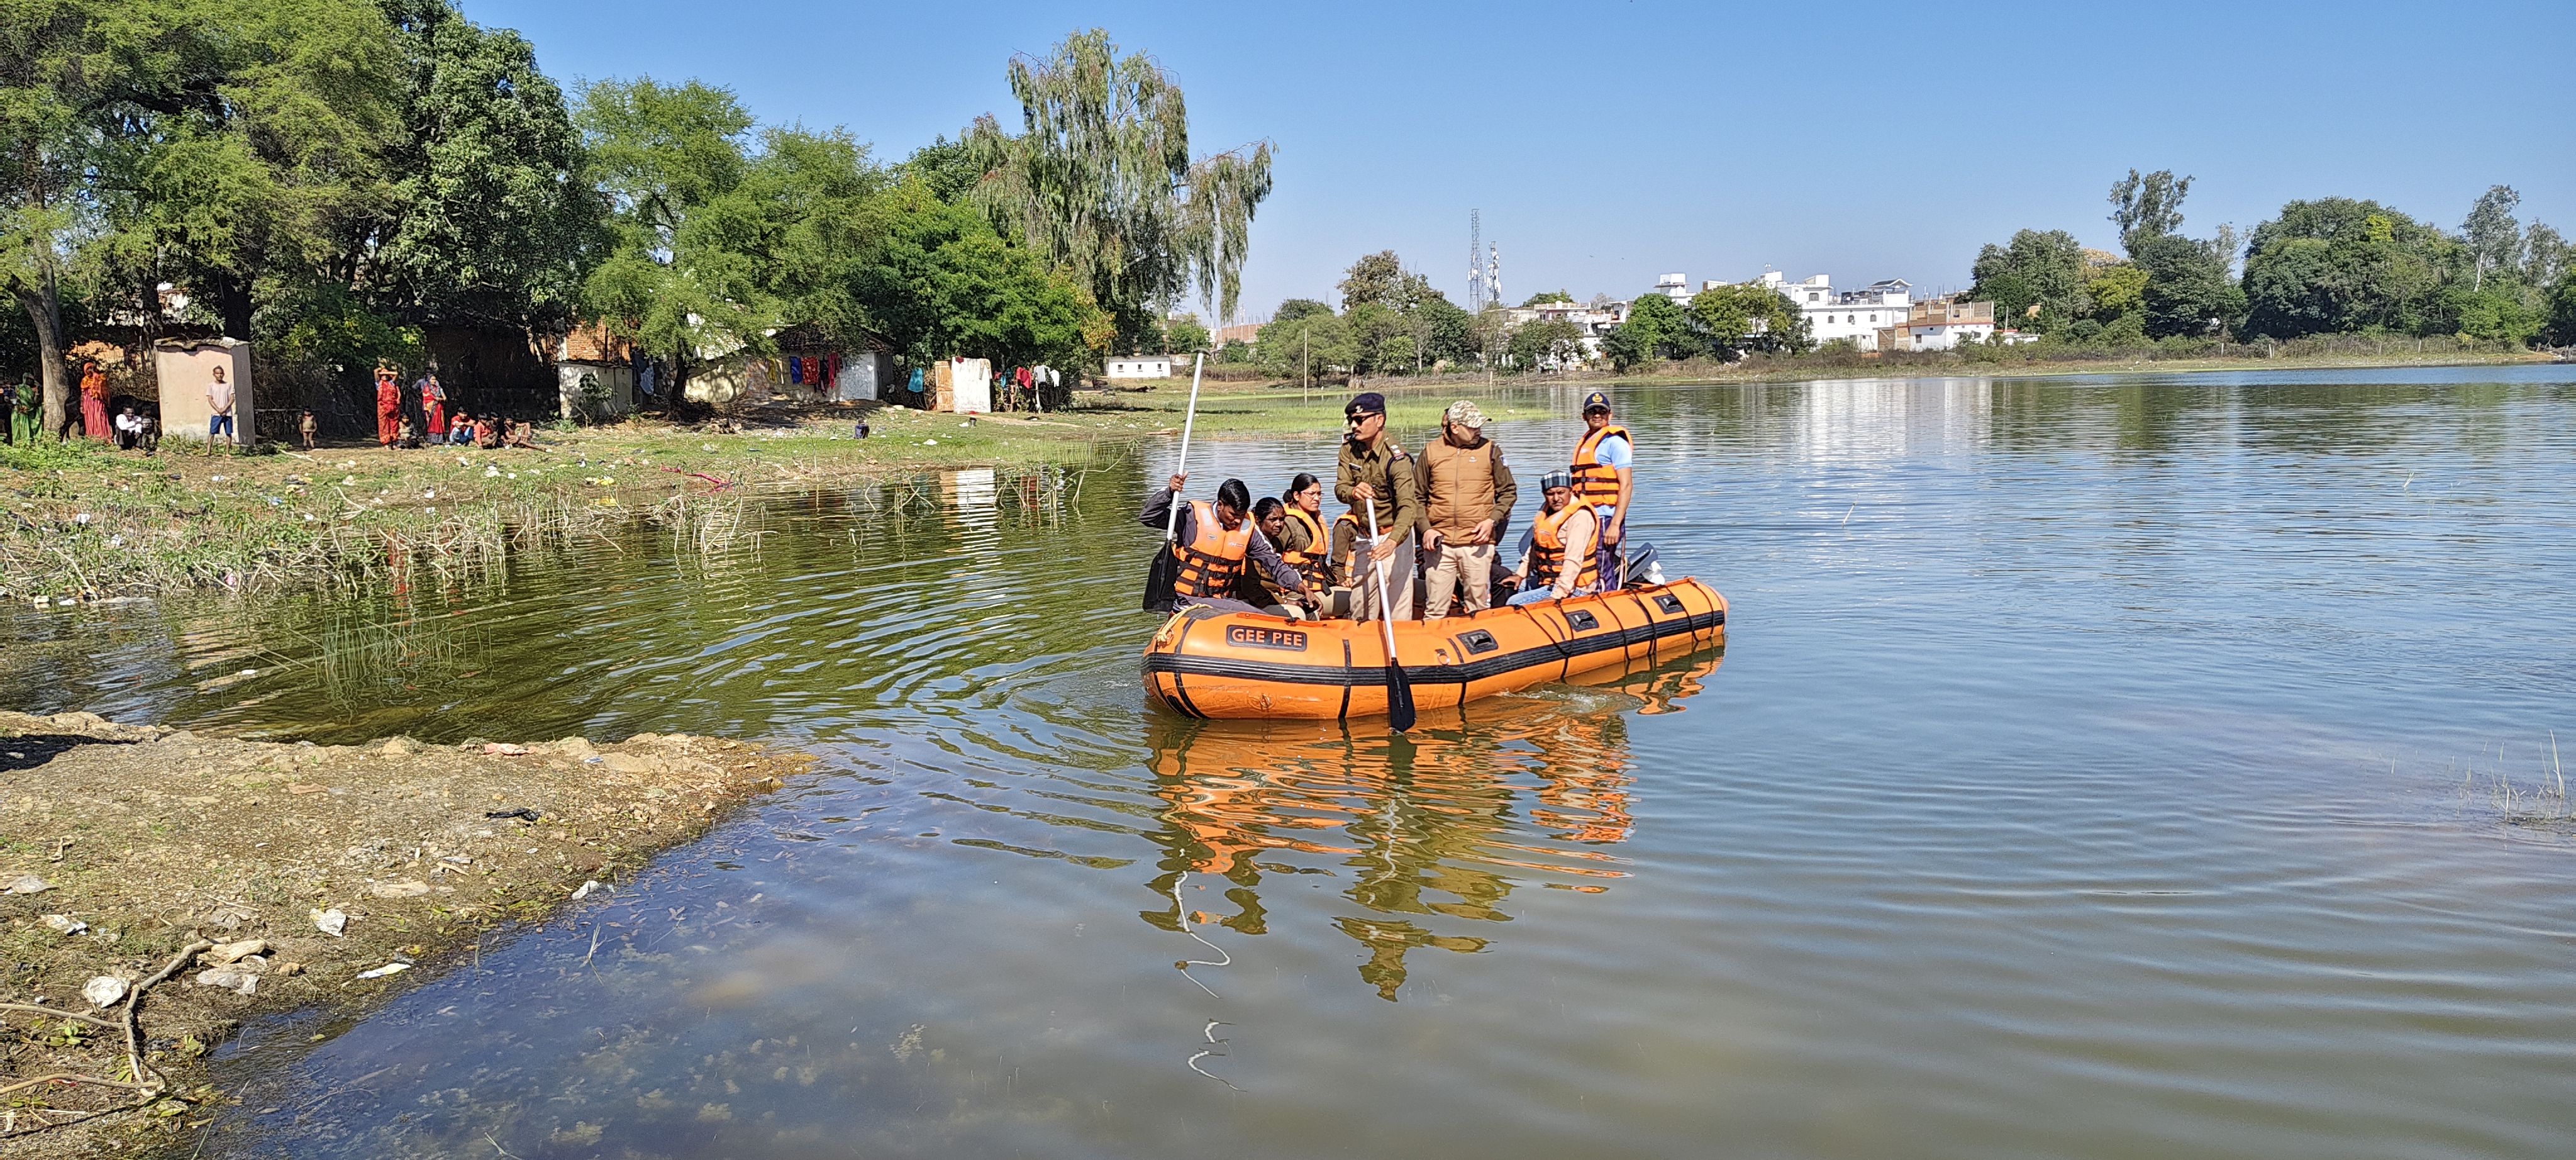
1240,664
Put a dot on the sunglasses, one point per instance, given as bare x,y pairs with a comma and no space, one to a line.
1362,417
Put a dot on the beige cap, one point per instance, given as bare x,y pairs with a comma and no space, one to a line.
1466,414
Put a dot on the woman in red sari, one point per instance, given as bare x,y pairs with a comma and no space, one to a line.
388,407
433,400
94,402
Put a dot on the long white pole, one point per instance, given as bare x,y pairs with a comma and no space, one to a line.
1172,522
1385,599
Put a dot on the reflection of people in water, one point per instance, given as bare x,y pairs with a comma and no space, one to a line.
1429,830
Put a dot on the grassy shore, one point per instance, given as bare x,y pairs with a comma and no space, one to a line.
85,523
81,523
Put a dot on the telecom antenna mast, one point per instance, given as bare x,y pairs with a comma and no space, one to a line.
1493,274
1475,261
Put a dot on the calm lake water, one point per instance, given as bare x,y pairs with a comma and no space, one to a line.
2097,767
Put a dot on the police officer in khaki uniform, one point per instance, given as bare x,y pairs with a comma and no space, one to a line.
1372,467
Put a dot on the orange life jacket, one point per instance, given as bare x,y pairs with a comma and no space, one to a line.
1547,551
1212,560
1315,560
1596,482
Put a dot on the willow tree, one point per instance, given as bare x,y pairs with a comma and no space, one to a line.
1100,181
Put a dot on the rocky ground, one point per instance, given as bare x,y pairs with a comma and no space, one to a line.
278,876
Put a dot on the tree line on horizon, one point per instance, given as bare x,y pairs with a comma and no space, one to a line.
1393,321
2327,266
330,180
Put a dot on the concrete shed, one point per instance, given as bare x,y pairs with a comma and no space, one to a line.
185,367
867,374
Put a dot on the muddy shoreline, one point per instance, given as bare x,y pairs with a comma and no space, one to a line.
125,846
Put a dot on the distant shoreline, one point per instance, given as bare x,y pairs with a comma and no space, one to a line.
87,525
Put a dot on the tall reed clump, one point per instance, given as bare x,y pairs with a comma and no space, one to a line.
2539,801
81,526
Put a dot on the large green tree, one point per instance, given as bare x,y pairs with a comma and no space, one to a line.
2493,237
1656,327
1548,341
1444,330
2336,265
947,168
1381,278
1100,182
2188,289
664,154
47,84
937,280
1397,322
2562,311
244,150
1304,337
490,220
2036,280
2147,207
1747,315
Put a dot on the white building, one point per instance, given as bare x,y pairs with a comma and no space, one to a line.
1857,315
1150,366
1939,324
1596,319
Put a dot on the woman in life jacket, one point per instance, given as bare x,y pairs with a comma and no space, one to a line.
1270,519
1301,540
1214,543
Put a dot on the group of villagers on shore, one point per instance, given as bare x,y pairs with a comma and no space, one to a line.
395,427
129,429
1431,523
440,424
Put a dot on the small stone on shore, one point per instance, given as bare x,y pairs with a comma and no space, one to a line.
232,979
233,951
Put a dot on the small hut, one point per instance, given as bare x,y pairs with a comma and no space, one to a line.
813,366
185,367
594,374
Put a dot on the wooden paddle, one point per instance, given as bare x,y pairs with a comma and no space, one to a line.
1399,692
1165,570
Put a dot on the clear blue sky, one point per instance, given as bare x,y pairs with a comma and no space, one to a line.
1609,142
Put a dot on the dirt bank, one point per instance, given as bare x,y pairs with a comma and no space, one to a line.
122,847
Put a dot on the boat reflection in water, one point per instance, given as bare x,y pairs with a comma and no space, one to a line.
1432,829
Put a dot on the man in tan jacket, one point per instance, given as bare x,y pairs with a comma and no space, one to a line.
1467,498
